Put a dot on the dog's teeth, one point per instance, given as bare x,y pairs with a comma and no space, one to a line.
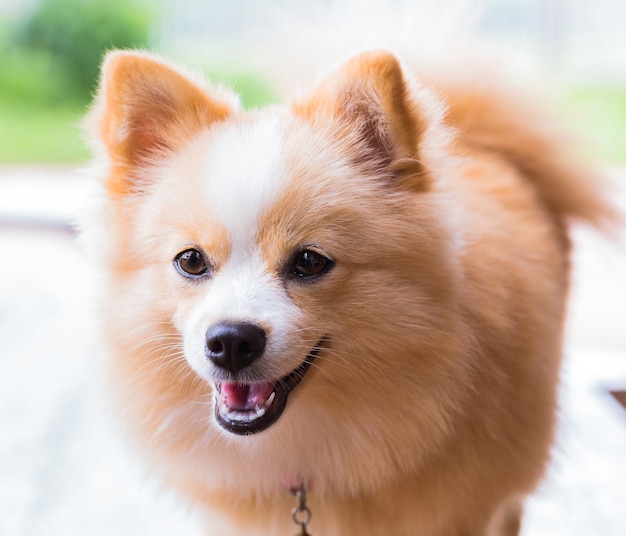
236,415
242,416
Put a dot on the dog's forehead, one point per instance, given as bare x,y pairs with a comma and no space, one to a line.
244,173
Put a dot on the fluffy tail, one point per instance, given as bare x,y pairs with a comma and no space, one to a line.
499,120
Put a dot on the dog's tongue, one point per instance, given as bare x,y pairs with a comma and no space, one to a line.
246,396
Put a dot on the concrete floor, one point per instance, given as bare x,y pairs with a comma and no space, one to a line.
63,470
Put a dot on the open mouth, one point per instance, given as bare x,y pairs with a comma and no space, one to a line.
249,408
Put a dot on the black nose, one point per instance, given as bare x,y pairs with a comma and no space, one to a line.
234,346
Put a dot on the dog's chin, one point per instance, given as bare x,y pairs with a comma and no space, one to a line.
250,408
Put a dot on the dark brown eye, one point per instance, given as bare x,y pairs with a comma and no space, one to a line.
191,263
308,264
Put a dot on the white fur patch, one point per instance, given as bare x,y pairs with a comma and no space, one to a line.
243,175
238,174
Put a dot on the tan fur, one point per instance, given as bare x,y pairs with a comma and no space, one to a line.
149,109
431,409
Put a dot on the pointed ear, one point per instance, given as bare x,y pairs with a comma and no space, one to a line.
370,97
145,108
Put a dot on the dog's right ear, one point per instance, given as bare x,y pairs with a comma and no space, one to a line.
146,108
370,95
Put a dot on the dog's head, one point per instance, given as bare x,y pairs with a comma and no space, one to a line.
284,270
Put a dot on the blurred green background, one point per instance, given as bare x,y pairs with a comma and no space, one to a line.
50,57
50,54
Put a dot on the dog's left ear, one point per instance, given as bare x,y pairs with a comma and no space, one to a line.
369,96
146,107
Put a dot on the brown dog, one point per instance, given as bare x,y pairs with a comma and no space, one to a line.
362,292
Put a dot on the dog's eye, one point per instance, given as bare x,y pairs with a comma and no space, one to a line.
307,264
191,263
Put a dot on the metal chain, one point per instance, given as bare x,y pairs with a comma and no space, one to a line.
301,514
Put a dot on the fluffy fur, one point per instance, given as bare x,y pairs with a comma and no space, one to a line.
443,204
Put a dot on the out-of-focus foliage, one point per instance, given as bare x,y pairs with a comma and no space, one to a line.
50,60
72,36
600,115
253,90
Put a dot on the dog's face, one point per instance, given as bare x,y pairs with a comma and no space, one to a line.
260,270
283,272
